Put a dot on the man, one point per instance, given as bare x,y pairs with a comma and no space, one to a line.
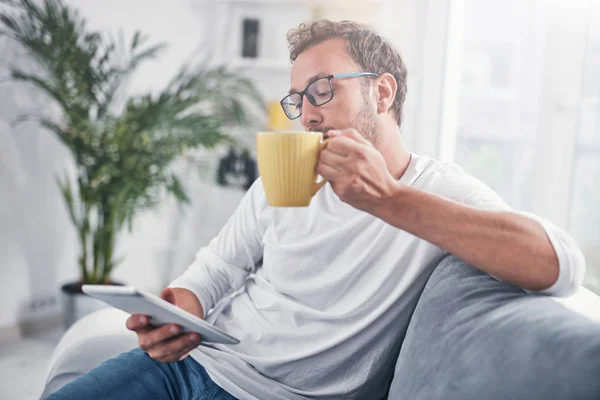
320,296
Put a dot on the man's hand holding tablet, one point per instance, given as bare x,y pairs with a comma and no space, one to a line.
169,327
167,343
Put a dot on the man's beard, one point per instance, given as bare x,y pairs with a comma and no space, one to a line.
365,123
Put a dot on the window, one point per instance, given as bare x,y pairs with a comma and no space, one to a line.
527,110
499,94
585,200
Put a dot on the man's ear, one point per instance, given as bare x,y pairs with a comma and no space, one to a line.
386,92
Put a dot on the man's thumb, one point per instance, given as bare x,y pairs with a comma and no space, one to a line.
168,294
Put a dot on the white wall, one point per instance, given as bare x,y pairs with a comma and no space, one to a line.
38,246
36,242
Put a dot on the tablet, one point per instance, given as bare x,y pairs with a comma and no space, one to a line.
160,312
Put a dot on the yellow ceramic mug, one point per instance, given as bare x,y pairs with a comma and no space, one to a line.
287,165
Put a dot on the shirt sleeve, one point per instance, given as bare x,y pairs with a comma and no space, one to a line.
571,260
223,265
463,188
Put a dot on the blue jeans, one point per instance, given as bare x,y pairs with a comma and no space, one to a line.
135,375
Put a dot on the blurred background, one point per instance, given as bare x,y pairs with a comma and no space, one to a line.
508,89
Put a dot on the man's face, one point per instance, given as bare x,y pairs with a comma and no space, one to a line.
351,106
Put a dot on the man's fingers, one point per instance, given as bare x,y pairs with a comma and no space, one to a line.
175,348
332,159
149,339
346,142
327,172
341,146
136,322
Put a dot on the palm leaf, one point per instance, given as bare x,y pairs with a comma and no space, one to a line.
67,193
175,187
44,85
123,155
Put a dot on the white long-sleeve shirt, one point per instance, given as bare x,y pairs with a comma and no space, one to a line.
320,296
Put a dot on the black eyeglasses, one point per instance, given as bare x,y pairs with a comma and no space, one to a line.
318,93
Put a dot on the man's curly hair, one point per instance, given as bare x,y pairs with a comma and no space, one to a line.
369,50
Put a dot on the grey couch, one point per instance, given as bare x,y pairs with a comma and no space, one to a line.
470,337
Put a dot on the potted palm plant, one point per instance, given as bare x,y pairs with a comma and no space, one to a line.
123,147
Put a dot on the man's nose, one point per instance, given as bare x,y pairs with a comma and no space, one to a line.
310,114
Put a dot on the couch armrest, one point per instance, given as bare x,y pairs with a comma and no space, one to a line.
583,302
97,337
472,337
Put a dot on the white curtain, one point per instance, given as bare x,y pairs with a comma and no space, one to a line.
515,99
584,219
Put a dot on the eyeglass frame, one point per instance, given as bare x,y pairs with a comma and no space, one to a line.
310,97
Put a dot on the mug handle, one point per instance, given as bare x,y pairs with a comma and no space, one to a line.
319,185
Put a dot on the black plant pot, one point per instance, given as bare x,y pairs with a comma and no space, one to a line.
78,304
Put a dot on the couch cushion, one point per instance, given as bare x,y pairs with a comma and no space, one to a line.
472,337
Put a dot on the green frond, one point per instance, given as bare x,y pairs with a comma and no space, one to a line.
123,156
